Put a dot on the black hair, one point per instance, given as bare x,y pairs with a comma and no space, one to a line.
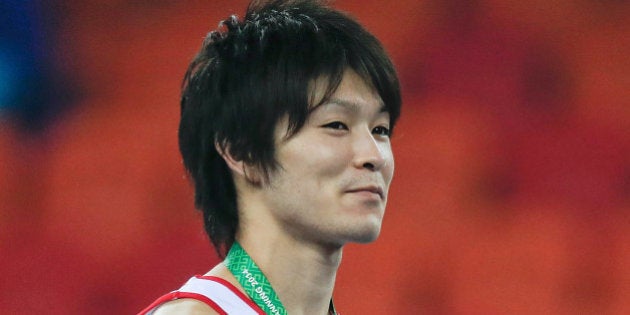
248,75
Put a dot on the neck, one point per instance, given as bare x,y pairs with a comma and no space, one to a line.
302,273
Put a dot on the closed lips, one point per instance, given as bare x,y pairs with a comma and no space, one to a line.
372,189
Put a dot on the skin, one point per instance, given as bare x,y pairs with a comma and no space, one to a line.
330,189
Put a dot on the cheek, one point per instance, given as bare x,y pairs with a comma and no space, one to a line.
320,161
388,173
388,167
335,161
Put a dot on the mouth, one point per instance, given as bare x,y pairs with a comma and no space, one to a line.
377,190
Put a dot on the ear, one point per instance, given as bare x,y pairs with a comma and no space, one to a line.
248,172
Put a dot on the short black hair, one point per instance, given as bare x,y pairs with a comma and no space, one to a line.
248,75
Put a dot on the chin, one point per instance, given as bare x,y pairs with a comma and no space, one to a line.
365,234
368,238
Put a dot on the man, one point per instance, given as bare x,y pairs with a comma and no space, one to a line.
285,126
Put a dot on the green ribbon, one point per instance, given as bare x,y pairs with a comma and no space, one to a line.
253,280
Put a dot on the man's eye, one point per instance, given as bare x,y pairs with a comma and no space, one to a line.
381,131
336,125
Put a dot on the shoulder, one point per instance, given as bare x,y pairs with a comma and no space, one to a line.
210,294
185,306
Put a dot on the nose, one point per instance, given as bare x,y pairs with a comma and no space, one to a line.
369,152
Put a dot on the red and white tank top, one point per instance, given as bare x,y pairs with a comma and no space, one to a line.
220,295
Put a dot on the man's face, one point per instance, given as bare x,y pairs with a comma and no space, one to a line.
334,174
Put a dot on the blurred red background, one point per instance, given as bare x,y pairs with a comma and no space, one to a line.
512,191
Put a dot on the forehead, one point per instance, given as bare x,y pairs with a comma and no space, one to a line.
352,93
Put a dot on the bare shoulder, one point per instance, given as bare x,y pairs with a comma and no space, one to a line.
185,306
195,307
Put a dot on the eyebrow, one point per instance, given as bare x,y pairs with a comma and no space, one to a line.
352,106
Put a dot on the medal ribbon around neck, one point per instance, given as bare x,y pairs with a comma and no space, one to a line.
253,280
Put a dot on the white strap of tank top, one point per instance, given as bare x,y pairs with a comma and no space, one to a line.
219,294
